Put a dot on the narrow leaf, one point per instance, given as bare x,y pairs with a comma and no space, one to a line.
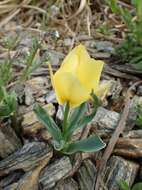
77,113
137,186
91,144
123,185
4,111
48,122
79,119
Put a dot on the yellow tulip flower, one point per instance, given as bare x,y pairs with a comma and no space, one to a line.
77,77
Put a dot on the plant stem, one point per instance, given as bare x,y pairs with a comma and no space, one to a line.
66,113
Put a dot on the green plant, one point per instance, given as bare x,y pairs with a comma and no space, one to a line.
32,60
8,103
124,186
8,100
104,29
131,49
76,119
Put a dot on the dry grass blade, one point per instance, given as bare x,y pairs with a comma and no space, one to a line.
8,18
82,5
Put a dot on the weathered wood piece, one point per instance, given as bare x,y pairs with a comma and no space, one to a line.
130,148
133,134
11,178
30,123
115,90
67,184
130,145
116,73
11,187
127,68
86,175
38,86
54,172
9,142
29,156
105,121
50,97
118,169
30,180
139,90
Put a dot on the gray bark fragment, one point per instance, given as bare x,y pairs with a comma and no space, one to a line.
9,142
12,177
86,175
130,148
54,172
119,169
26,158
105,121
11,187
67,184
30,122
133,113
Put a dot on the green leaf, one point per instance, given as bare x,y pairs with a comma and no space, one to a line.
5,72
91,144
74,120
8,104
127,18
96,101
137,186
1,94
113,5
78,119
4,111
123,185
138,6
11,101
77,114
48,122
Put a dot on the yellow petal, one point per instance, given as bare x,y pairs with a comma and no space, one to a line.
74,58
70,62
69,89
103,89
89,73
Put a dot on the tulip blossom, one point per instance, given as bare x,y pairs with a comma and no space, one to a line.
77,77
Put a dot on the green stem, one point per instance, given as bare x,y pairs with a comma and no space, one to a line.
66,113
